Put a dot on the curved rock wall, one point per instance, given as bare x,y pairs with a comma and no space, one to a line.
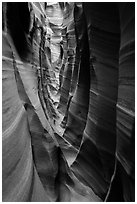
77,113
68,77
20,178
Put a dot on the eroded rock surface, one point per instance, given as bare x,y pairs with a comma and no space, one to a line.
68,112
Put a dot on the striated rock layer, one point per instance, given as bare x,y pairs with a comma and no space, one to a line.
68,112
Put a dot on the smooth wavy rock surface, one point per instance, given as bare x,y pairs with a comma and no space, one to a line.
68,102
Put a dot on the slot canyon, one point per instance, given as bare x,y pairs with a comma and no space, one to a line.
68,101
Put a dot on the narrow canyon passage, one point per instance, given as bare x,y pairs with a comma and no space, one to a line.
68,102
